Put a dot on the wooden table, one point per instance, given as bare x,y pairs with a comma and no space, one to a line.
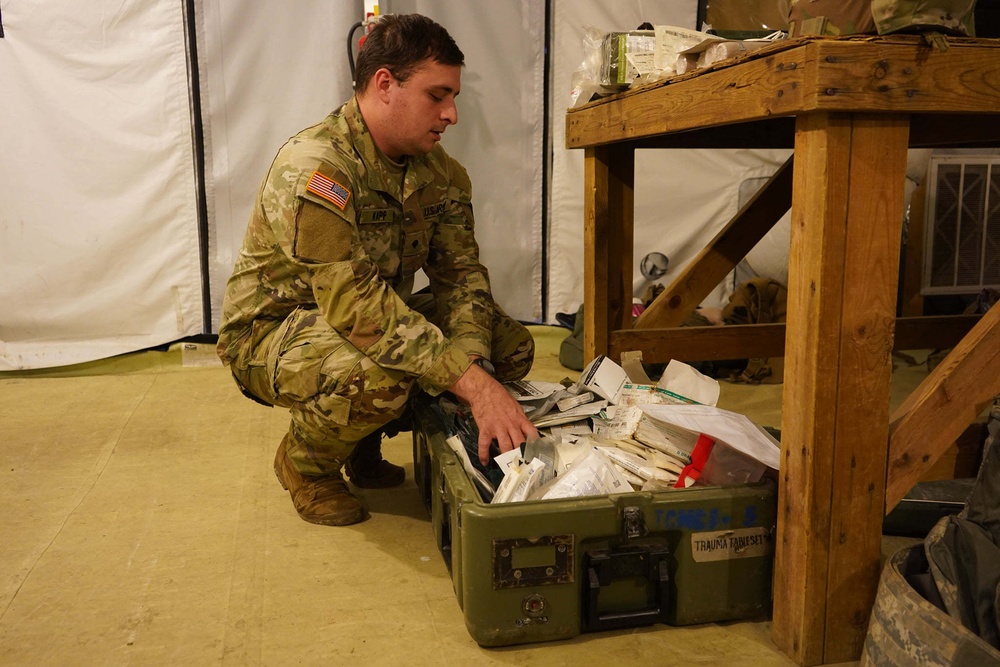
849,108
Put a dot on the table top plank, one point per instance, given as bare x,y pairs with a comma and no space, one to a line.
911,78
890,74
756,90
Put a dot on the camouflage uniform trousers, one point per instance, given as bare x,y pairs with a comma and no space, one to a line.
336,395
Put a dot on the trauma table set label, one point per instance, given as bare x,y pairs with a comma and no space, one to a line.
730,544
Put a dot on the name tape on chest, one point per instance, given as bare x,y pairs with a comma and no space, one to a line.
434,210
328,189
376,216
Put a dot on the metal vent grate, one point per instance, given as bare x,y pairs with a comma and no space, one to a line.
962,251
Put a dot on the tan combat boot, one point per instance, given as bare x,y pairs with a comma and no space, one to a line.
368,470
325,500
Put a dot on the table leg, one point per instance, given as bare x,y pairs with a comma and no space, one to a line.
609,176
847,211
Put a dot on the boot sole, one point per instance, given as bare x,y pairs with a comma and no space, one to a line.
281,480
340,519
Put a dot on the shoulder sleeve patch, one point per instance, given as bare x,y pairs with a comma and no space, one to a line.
321,235
329,189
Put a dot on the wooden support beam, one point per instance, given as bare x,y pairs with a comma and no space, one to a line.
810,389
953,131
926,131
736,341
609,175
725,251
871,273
944,404
748,341
932,332
778,132
846,225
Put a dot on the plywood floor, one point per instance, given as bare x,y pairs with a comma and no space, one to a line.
142,524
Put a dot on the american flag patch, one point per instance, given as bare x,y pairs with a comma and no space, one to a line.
328,189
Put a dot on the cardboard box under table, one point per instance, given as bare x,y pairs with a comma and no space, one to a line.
550,569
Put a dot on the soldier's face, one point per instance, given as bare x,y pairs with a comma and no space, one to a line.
422,107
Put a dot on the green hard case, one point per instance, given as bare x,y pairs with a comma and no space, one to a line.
550,569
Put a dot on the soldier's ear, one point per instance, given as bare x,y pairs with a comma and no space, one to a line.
383,82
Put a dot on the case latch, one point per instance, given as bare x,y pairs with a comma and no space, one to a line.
635,523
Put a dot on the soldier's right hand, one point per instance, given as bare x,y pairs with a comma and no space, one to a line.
498,416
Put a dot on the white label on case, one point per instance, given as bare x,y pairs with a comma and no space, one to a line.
731,544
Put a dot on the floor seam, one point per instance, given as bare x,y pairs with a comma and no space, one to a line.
102,465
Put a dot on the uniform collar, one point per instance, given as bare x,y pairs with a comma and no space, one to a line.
418,172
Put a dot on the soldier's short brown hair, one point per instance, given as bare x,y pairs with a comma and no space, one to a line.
400,42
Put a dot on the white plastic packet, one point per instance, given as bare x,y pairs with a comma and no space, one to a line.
592,475
637,465
520,482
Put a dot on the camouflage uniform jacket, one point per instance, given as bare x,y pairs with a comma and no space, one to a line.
332,228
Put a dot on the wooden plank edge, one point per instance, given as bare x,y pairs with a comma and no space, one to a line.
749,341
945,403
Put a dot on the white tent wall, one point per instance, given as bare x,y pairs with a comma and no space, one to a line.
98,214
100,204
682,197
267,71
98,196
499,136
270,72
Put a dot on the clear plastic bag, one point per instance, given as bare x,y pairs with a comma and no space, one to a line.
586,80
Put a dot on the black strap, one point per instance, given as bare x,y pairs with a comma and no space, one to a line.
249,394
1,24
